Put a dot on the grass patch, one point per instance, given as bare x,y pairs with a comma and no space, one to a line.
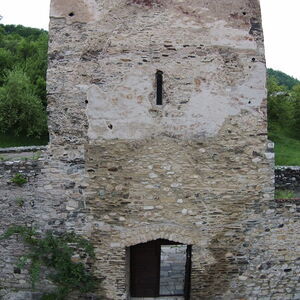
19,179
284,194
18,141
287,150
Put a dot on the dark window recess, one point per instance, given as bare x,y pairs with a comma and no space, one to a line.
159,88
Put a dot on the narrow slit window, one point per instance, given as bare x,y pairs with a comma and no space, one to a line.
159,88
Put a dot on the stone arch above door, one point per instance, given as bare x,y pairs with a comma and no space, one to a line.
143,234
172,232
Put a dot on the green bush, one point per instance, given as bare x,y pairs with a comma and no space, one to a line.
55,252
23,65
21,111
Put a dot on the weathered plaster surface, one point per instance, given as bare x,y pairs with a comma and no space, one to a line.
198,170
212,70
74,10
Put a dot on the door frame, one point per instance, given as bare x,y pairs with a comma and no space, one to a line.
188,267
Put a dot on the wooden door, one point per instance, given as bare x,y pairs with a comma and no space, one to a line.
188,269
145,269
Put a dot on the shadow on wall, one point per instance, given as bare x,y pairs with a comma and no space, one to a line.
18,141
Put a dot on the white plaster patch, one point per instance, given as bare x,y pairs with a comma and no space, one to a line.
223,35
252,91
204,114
197,98
123,112
74,10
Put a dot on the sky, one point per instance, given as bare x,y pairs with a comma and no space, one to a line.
281,23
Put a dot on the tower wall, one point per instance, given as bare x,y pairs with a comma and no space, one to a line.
190,170
198,170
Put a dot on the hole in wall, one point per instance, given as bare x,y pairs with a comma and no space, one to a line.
244,13
110,126
17,270
159,87
249,102
253,59
71,14
86,101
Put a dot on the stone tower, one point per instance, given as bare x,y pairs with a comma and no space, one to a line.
164,103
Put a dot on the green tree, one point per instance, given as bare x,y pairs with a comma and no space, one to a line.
21,111
36,66
6,63
296,123
283,79
280,106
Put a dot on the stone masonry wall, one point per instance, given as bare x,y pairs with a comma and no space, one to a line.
190,170
172,269
17,206
256,257
287,177
51,199
122,170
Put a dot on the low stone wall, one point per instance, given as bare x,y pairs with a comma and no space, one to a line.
263,265
287,177
23,149
44,202
17,207
269,256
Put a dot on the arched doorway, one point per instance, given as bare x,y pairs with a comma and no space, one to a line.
160,268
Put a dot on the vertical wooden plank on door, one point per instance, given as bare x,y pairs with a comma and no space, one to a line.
145,269
188,269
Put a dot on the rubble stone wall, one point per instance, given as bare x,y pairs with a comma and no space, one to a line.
198,170
255,255
50,199
287,177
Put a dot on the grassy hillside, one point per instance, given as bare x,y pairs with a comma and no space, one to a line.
287,149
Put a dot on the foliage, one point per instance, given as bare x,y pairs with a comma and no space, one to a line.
19,179
284,117
284,194
26,32
23,65
55,252
280,106
283,79
21,111
15,141
296,123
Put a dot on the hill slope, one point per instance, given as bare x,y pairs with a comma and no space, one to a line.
282,78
